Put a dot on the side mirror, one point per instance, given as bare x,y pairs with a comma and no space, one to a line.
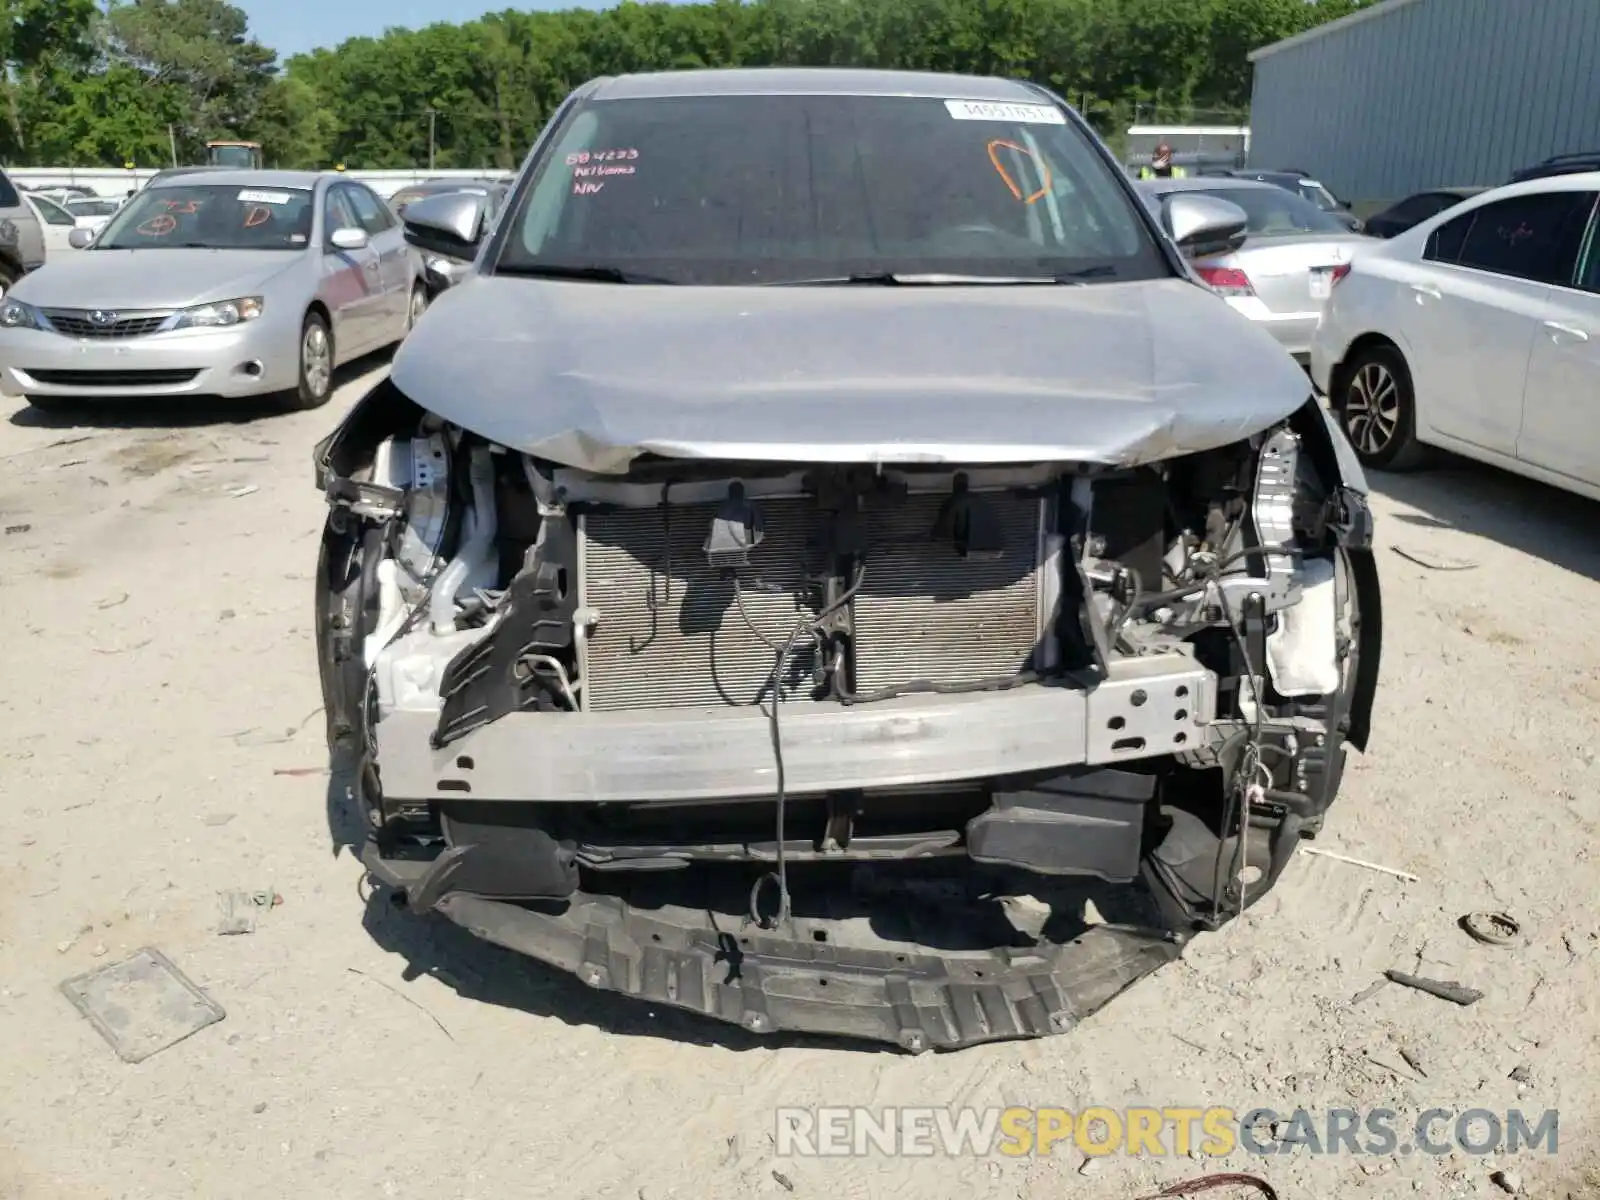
348,239
451,224
79,239
1202,224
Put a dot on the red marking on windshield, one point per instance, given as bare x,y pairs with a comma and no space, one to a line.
999,144
158,226
258,215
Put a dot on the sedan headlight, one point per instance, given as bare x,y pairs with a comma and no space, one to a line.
219,315
14,314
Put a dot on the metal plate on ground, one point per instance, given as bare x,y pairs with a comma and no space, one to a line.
142,1004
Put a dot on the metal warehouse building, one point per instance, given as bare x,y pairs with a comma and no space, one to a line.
1414,94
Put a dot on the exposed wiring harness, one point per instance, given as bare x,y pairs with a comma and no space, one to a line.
812,626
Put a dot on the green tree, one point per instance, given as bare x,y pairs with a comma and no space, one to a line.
201,50
82,87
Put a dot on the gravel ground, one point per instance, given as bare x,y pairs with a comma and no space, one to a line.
163,745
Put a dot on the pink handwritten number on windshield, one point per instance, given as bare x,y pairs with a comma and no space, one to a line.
582,158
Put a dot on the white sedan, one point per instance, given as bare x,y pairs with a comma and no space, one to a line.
92,212
1477,331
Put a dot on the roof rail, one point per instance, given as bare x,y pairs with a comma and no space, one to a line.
1560,164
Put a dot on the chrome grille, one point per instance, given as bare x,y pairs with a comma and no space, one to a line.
925,613
695,648
80,322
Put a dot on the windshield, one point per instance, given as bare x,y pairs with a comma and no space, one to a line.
1272,210
212,217
1319,195
727,190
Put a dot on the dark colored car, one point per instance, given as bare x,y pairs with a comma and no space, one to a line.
1559,164
1414,210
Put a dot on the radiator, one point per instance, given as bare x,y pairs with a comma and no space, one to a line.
925,613
670,634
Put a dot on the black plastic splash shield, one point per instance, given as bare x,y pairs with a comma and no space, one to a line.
771,982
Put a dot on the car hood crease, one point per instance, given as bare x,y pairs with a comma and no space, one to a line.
595,375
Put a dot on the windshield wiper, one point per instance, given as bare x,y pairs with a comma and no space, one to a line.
598,274
906,279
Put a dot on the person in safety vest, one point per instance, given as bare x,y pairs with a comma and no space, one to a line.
1161,165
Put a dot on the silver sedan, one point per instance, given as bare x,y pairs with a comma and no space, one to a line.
1284,269
219,283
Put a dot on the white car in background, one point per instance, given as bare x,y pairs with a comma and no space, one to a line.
92,212
56,222
1477,331
1281,271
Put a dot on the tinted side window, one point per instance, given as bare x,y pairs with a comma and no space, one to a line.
1529,237
8,194
1445,242
372,213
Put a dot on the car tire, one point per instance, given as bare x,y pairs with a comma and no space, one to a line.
415,307
1378,411
315,385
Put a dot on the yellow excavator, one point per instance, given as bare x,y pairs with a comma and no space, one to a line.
238,156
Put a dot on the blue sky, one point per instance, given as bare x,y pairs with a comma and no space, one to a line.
294,26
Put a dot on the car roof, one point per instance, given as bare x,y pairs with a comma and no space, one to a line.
1577,181
245,178
812,81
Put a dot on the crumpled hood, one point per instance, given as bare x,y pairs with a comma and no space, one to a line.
592,375
114,279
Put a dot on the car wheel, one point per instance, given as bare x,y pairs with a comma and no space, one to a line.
1378,410
418,306
316,363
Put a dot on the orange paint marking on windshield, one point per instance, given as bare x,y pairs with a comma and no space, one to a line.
259,215
158,226
1044,171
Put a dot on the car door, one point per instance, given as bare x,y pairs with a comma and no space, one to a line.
1561,406
352,281
394,259
1480,300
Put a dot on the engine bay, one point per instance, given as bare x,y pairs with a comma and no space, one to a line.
565,687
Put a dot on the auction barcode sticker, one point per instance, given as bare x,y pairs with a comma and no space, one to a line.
1025,114
250,197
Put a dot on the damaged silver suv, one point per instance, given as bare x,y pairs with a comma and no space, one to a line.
831,566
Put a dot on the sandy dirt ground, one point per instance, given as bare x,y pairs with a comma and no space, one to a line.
155,592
